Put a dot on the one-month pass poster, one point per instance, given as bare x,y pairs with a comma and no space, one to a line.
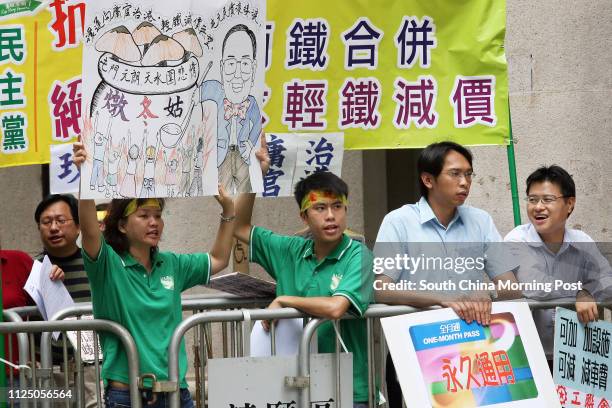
464,365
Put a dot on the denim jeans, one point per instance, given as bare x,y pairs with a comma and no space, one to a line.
119,398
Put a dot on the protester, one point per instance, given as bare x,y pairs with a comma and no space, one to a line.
324,276
139,287
57,219
440,216
552,252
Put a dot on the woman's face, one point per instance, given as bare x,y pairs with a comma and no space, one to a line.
144,227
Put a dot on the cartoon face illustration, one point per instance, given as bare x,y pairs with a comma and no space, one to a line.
173,165
133,152
238,63
98,138
150,152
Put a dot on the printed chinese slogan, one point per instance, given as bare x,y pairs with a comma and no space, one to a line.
40,79
400,74
462,365
582,361
294,156
171,97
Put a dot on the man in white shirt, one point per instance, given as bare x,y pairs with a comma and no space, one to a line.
553,253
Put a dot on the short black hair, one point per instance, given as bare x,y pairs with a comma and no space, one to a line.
556,175
235,29
431,160
55,198
324,181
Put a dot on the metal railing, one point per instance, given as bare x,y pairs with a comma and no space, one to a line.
77,325
232,329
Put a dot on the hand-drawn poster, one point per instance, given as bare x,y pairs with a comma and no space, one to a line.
582,361
462,365
171,97
294,156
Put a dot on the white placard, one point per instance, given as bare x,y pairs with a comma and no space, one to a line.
63,174
172,93
434,353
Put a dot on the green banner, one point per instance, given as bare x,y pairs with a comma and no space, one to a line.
15,7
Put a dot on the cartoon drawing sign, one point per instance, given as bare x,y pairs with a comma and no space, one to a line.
171,96
469,365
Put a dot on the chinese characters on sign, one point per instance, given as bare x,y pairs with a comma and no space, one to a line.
13,119
63,174
395,75
582,358
294,156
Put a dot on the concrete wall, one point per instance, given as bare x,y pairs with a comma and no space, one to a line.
561,104
20,192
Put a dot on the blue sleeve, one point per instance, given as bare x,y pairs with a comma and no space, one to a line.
211,90
388,244
497,261
254,116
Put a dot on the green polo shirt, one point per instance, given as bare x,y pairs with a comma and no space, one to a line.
346,271
148,305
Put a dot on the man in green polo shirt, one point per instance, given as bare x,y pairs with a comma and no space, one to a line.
325,276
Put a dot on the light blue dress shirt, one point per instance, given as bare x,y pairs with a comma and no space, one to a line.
413,228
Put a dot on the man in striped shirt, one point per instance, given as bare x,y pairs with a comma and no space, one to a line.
57,219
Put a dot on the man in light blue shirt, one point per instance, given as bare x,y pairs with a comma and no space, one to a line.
425,230
549,253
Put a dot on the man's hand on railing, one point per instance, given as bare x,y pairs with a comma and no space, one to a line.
586,307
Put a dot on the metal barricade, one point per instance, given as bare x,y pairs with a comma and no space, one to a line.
210,317
190,303
23,350
376,365
77,325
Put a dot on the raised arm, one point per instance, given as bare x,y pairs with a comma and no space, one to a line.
244,212
90,230
222,248
246,201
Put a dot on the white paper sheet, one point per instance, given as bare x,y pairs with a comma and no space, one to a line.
288,333
50,296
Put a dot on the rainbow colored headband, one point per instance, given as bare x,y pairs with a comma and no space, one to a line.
317,196
133,206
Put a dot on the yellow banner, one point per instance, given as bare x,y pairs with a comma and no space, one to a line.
40,78
388,73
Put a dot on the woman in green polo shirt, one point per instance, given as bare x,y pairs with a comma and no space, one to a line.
139,287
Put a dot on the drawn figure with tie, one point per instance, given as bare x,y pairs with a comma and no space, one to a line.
238,116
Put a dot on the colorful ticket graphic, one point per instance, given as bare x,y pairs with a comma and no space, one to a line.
469,365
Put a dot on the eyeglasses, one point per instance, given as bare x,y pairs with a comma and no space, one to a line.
456,174
231,64
545,199
47,222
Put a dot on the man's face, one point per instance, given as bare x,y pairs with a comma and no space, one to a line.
326,219
238,67
58,231
452,186
548,218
